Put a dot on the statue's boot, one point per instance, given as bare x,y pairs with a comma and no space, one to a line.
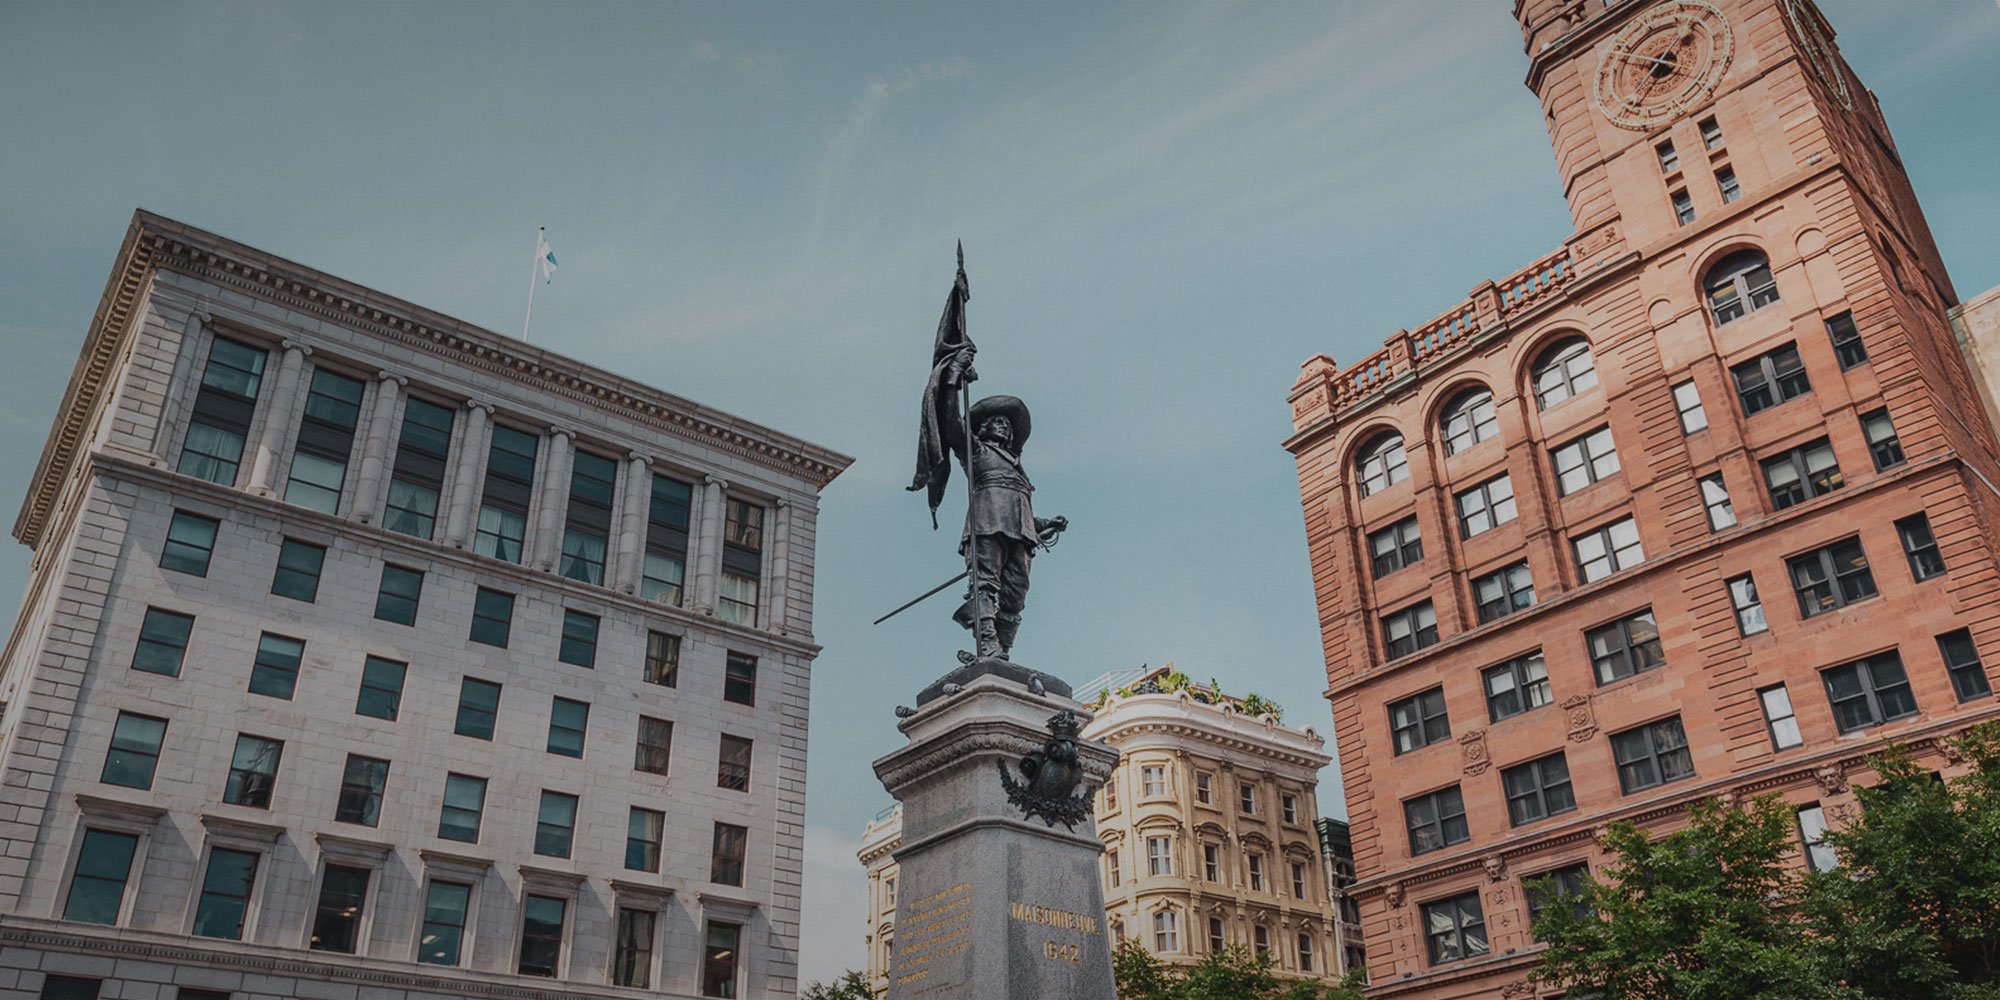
1004,627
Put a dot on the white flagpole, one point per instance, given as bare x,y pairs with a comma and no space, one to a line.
534,271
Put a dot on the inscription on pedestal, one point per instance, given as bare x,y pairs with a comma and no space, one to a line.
937,927
1081,924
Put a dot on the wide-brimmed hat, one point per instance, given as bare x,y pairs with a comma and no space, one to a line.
1013,409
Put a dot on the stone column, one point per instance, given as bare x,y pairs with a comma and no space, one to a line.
630,533
277,418
708,548
465,472
778,587
375,447
546,542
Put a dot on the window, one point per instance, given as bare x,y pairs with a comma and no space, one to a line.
655,747
1802,473
1832,577
555,824
1395,547
1921,546
1516,686
1260,941
276,669
579,639
1298,880
1869,692
298,570
417,477
1382,464
1468,420
1961,660
1715,501
397,595
1111,794
1204,788
1652,754
568,721
1153,780
1779,718
343,895
163,640
503,505
97,887
1256,866
1111,867
644,830
361,790
1305,953
1406,631
492,617
1564,370
135,751
1159,856
478,708
663,659
733,772
464,802
1217,941
1538,789
225,894
190,541
1166,931
742,562
1584,461
632,963
1740,283
1288,807
443,933
1486,506
1765,381
1812,837
1246,798
718,961
541,935
1847,345
725,865
213,448
1711,134
1625,647
1211,862
253,772
1436,820
1419,721
1503,592
1687,400
666,541
739,679
69,988
1455,928
1883,446
1565,884
1607,550
1670,160
381,688
587,523
1683,207
1726,185
326,440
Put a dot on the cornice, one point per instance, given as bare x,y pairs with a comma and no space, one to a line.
1120,731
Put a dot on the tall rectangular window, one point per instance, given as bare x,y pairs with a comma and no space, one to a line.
1802,473
1749,611
726,859
1920,546
666,541
1607,550
1670,160
1408,630
1166,931
1769,379
1683,207
1869,692
1687,400
739,679
326,440
1961,660
1516,686
97,887
1419,721
1830,578
492,617
276,669
298,570
1211,862
1204,788
587,524
1847,345
225,894
1246,798
361,788
135,751
555,824
1715,502
541,935
163,641
1254,865
397,596
1883,446
1779,719
655,746
464,804
1726,185
1652,754
190,541
1298,880
1628,646
663,659
1395,547
1217,939
343,895
742,562
442,938
579,639
1812,837
1583,461
1538,789
733,772
644,829
1503,592
478,708
223,406
253,772
568,721
416,480
1436,820
721,948
1563,885
1486,506
1159,856
503,504
632,963
1711,134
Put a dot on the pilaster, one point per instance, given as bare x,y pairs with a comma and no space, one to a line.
277,418
555,468
630,533
376,445
708,548
465,474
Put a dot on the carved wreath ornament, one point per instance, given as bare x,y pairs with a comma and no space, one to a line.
1052,774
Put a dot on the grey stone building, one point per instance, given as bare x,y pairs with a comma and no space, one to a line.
369,654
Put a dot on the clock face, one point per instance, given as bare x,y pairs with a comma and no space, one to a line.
1668,59
1818,51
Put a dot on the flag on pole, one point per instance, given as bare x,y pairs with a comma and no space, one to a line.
951,366
545,259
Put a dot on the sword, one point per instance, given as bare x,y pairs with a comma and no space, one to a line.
919,599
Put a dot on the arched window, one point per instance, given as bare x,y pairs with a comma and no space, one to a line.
1740,283
1382,464
1564,370
1468,420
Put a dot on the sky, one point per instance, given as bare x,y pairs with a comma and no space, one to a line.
1166,208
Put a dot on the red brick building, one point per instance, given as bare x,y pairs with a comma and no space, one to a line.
1699,504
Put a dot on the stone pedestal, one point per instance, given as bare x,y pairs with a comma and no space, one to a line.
993,903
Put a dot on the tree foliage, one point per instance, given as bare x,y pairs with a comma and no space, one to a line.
850,985
1231,974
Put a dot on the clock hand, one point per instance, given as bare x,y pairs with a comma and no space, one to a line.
1650,59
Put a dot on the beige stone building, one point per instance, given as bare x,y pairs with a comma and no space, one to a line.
1976,325
1208,824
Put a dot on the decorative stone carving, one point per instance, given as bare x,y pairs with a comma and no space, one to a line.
1832,778
1518,988
1472,747
1394,894
1051,774
1949,748
1578,716
1495,867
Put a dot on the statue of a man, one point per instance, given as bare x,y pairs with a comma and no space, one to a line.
1001,529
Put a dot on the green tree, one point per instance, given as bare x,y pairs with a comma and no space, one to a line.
1231,974
850,985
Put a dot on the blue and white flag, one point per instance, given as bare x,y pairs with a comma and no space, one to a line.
545,259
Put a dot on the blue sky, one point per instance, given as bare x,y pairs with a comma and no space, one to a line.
1166,208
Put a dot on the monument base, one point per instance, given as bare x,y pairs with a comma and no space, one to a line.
995,903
